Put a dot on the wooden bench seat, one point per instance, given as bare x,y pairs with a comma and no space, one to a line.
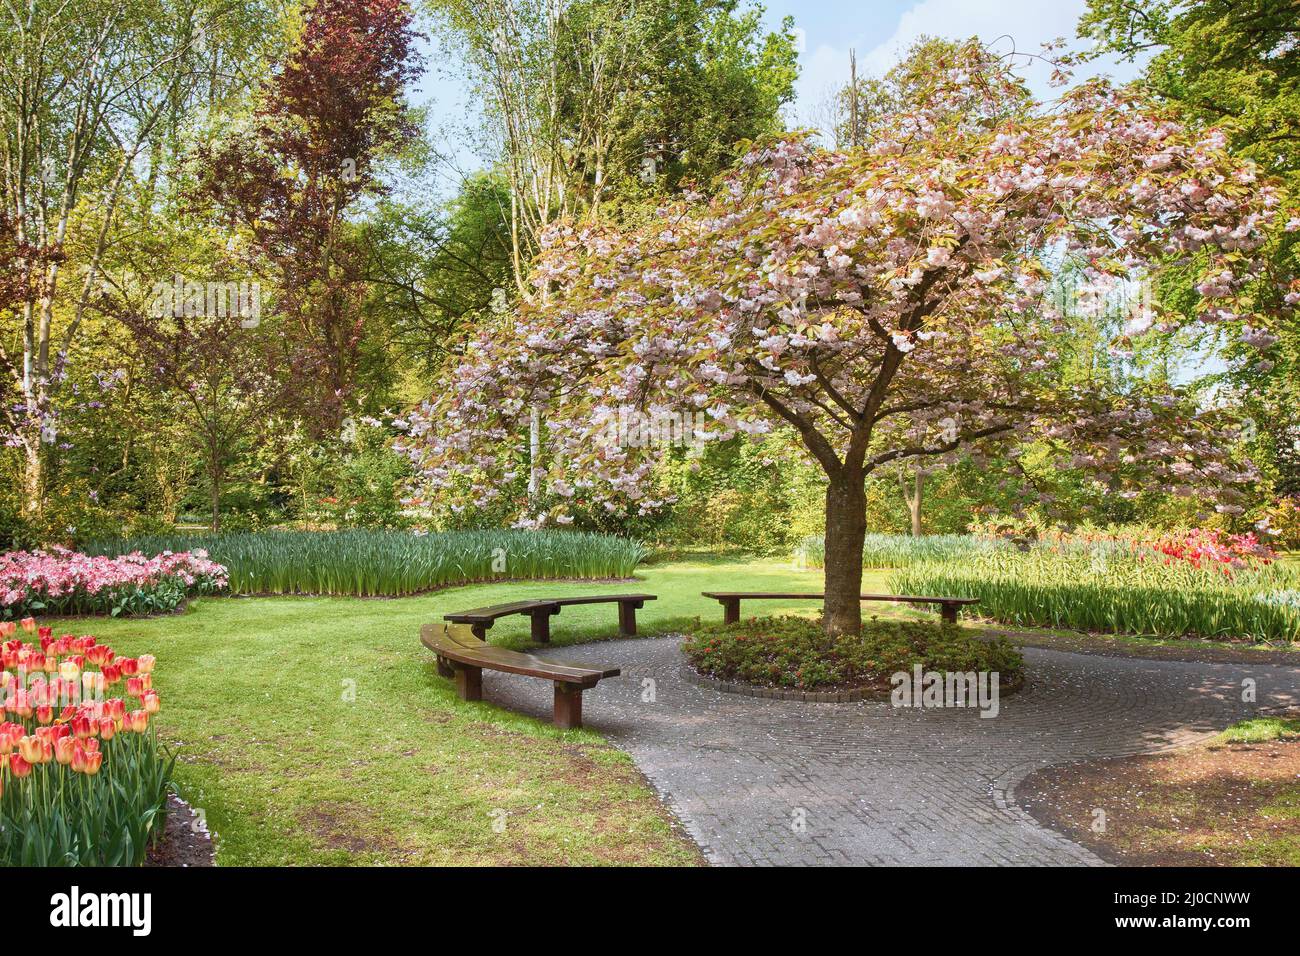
541,610
463,655
730,601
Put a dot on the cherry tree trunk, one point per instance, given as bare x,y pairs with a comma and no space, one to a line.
846,528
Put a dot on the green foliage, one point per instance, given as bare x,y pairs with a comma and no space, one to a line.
56,817
739,495
1223,61
371,563
900,551
795,652
368,482
1116,590
718,80
72,516
622,100
147,525
1283,518
435,270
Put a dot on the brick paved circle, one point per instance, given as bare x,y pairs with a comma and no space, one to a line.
761,781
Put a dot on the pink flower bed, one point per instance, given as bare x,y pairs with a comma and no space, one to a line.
67,582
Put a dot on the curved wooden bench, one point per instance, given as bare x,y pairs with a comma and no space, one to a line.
464,656
730,601
541,610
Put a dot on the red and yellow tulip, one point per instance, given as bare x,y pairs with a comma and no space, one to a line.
76,767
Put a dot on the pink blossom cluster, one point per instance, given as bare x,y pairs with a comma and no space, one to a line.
75,582
885,304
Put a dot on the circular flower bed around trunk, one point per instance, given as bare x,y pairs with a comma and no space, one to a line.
793,652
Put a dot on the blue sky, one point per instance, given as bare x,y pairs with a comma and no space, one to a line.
879,31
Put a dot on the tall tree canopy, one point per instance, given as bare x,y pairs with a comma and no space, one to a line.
1234,64
328,120
595,103
92,96
887,303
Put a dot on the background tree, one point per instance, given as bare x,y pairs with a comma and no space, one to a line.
591,101
86,92
329,119
227,380
1234,64
433,272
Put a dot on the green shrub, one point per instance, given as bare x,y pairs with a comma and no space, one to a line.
794,652
737,496
901,550
366,483
148,525
367,563
70,517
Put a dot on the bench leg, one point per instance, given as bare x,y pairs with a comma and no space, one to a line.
480,630
948,612
731,611
541,629
444,668
568,706
627,617
469,682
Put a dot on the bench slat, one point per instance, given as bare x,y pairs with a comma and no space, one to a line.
730,601
522,607
603,599
439,639
492,613
808,595
542,609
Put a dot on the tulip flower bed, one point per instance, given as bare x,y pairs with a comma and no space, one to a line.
364,563
66,582
1193,587
83,779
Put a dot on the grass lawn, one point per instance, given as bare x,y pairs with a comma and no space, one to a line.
316,731
288,770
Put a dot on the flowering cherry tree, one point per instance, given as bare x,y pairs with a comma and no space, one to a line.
887,303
